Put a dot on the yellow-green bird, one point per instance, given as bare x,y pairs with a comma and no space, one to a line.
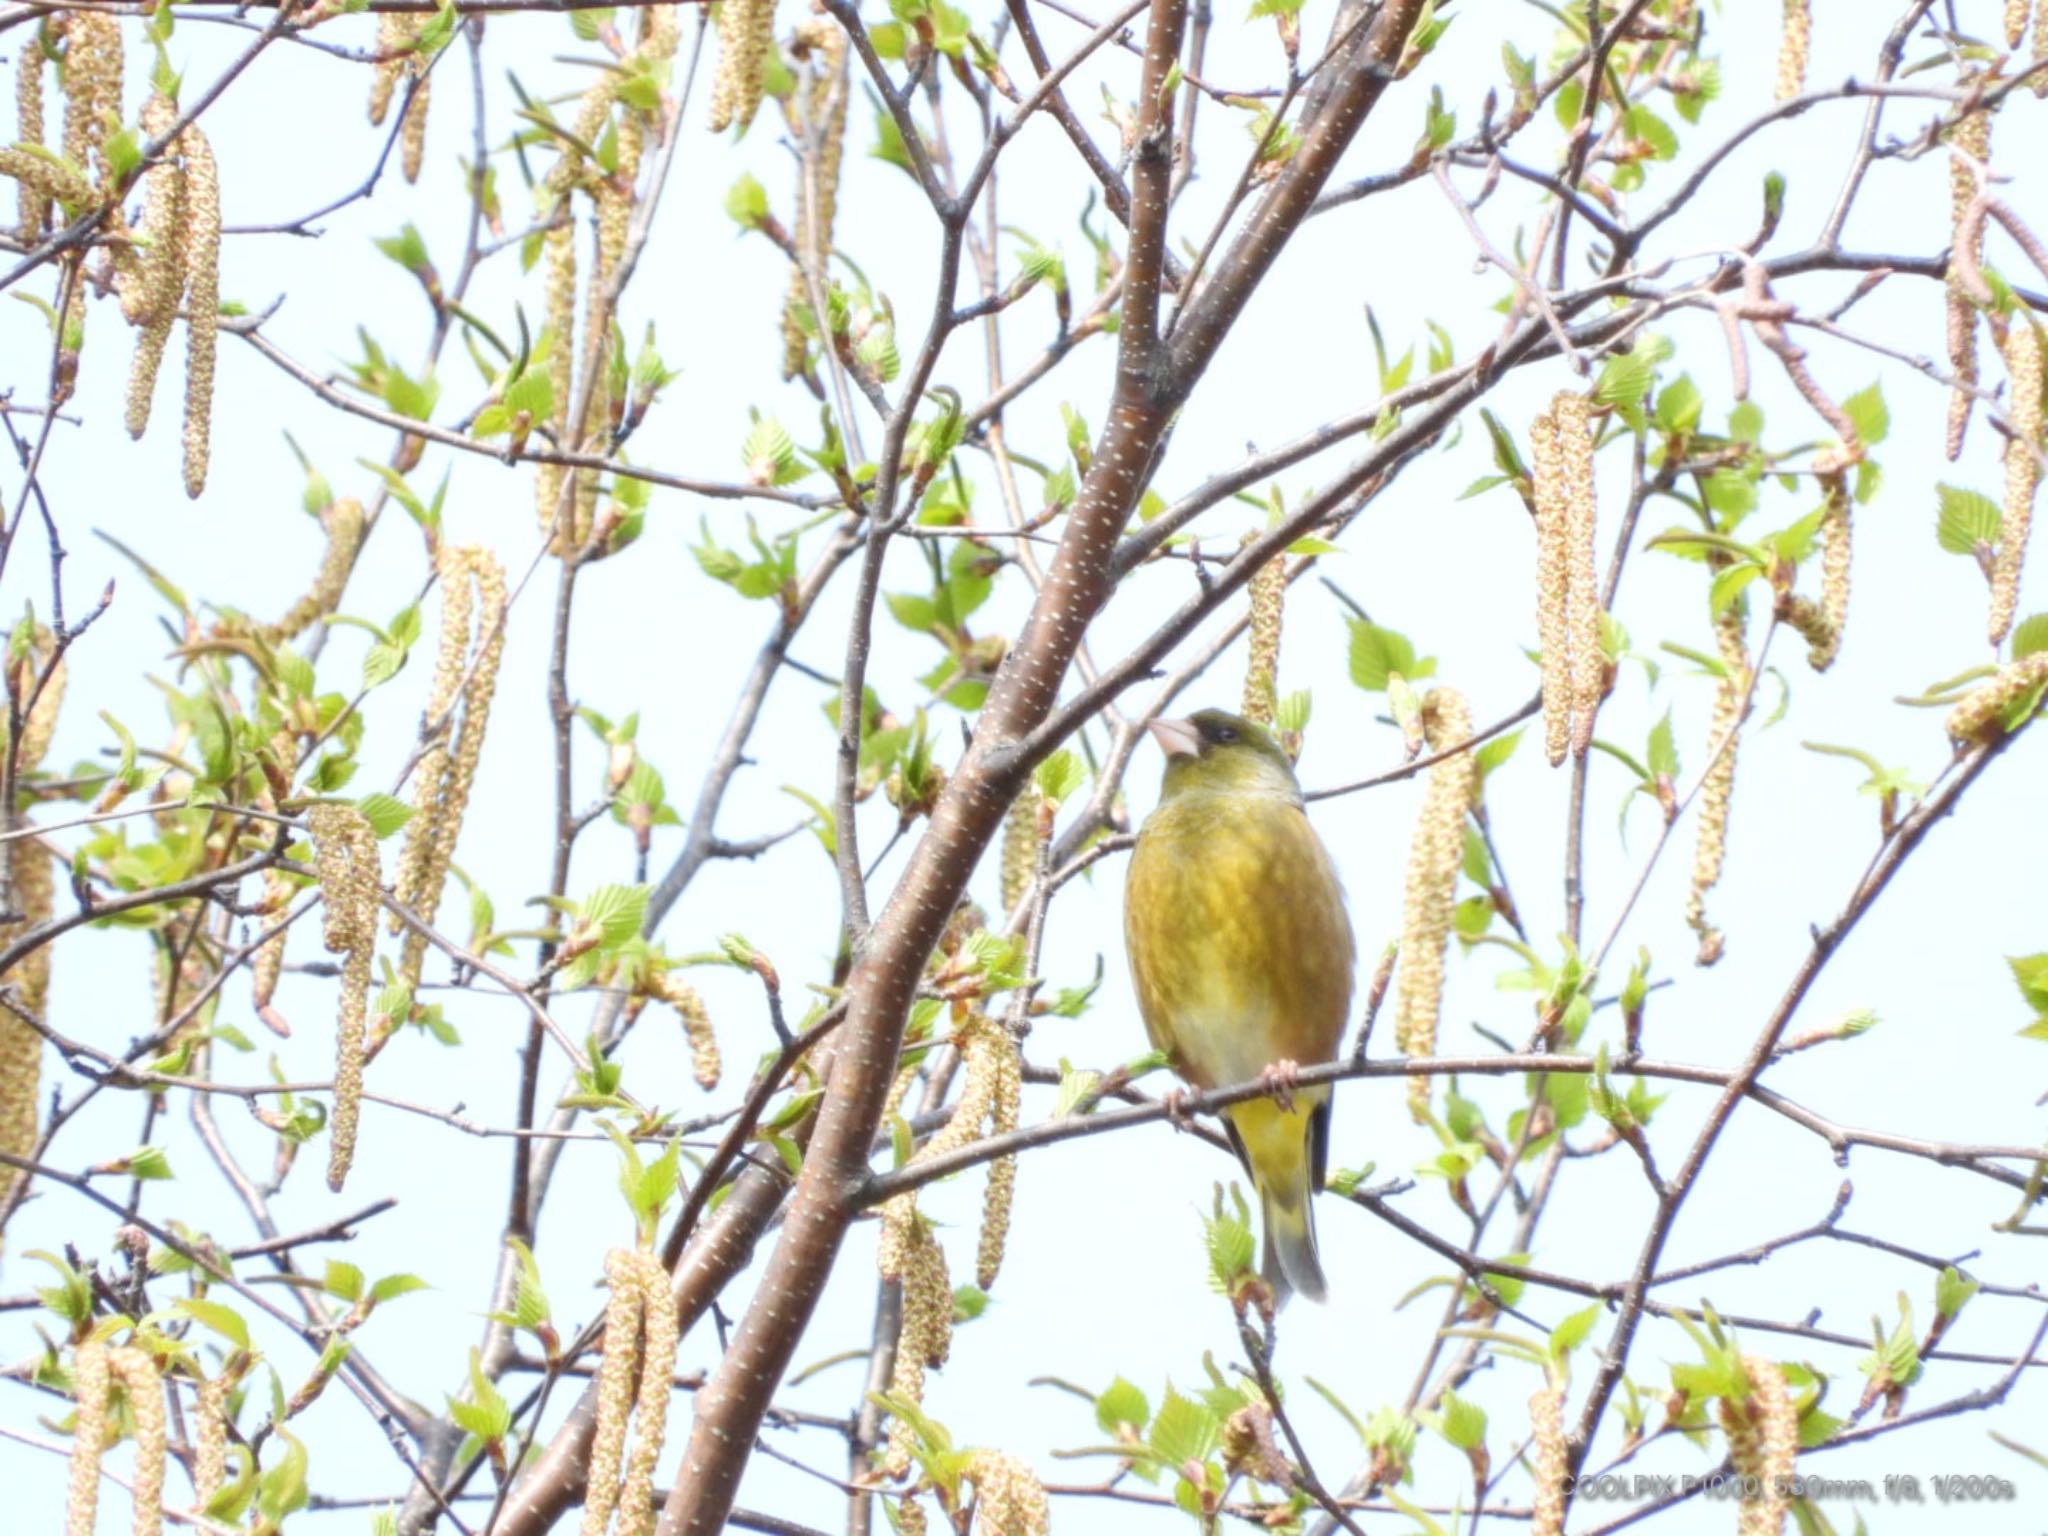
1241,955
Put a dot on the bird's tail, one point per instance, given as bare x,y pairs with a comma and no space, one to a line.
1276,1151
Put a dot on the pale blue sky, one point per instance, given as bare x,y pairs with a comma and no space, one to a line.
1106,1272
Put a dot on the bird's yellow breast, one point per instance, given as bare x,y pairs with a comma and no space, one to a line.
1240,950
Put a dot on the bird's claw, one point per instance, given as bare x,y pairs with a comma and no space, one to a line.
1175,1102
1280,1080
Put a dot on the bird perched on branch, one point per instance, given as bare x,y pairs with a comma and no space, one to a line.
1241,955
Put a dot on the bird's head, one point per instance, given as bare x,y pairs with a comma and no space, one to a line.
1215,752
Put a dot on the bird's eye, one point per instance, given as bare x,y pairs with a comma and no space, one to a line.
1221,735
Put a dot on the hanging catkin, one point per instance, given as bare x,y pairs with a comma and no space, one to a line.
345,859
1971,137
1731,700
2022,470
30,900
1568,609
822,45
1268,592
1430,897
465,675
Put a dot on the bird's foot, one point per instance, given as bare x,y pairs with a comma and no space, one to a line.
1280,1080
1175,1102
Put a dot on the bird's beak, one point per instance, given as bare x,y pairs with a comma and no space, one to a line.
1176,738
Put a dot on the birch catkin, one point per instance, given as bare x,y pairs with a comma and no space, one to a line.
2040,45
30,897
1546,1433
345,859
696,1019
560,247
1762,1429
746,31
447,769
1731,702
1835,552
1005,1096
202,300
1795,41
823,45
394,37
137,1371
412,131
1972,137
150,294
95,1367
1567,585
640,1336
909,1253
1553,628
1981,715
90,74
1009,1499
1268,591
32,204
911,1256
615,1376
398,59
91,77
345,525
569,526
210,1439
1020,847
2022,470
91,1384
31,887
1820,623
1430,897
1589,663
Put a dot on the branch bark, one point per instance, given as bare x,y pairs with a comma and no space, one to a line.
1151,381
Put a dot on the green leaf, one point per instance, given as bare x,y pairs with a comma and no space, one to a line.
1462,1423
746,203
1623,381
1966,520
1060,775
2030,974
1491,754
2031,636
71,1297
1375,652
485,1414
1227,1233
1183,1431
1678,405
1868,415
1952,1291
382,662
147,1163
1729,584
225,1321
912,610
390,1287
282,1488
617,911
408,248
1653,131
1662,755
385,813
1120,1403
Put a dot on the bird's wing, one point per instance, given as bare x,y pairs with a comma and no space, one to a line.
1239,946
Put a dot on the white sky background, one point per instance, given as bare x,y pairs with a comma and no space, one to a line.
1106,1273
